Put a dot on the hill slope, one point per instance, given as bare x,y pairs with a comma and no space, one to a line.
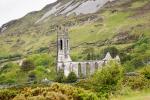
98,22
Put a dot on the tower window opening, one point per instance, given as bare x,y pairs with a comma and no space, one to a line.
61,44
67,44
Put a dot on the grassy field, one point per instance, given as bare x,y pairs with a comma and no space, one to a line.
134,95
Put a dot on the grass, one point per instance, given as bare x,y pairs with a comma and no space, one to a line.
138,4
134,95
33,36
36,36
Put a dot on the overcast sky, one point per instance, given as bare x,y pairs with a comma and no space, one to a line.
13,9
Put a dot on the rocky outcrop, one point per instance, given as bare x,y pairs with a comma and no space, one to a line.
5,26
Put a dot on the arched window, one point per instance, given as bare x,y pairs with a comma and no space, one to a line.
96,66
79,70
61,44
67,44
87,69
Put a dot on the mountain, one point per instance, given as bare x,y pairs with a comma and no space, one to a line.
90,22
96,27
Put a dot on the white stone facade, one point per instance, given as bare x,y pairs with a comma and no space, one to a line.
79,68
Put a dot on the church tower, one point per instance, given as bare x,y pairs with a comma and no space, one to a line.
62,47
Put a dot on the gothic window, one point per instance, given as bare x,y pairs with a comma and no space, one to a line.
67,44
61,44
87,69
96,66
79,70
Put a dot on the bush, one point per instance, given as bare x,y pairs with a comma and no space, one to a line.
89,53
27,65
105,81
56,92
32,76
136,82
71,77
113,51
146,72
108,79
6,94
42,60
60,77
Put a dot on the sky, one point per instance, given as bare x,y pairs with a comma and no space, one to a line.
13,9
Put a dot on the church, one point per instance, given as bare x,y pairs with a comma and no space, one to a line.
65,63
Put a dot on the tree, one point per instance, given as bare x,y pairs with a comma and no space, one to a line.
113,51
60,77
27,65
108,79
89,53
71,77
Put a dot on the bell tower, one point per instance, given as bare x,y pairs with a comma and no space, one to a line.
62,47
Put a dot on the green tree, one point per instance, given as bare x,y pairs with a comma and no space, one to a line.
71,77
108,78
89,53
60,77
113,51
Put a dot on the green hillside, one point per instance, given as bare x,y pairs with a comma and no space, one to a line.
121,24
121,27
25,36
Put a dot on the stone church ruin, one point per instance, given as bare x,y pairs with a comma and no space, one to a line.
65,63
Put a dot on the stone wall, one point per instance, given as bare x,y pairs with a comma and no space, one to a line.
81,68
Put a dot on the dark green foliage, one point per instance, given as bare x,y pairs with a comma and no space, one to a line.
71,77
105,81
108,79
32,76
113,51
27,65
42,60
146,72
138,56
124,57
60,77
89,53
5,73
128,67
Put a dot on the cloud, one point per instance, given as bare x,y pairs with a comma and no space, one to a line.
13,9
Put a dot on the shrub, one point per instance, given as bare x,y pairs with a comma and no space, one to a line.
56,92
105,81
32,76
41,59
89,53
60,77
136,82
128,67
146,72
108,79
27,65
6,94
113,51
71,77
